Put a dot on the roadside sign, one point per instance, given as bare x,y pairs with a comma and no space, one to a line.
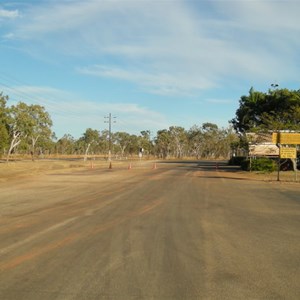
286,138
288,152
266,149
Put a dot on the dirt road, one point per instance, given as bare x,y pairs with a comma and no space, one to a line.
176,230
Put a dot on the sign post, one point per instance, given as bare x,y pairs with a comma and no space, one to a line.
286,138
278,164
288,152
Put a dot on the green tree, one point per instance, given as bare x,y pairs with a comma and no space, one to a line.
278,109
40,126
209,141
105,139
20,124
210,134
27,123
163,143
66,144
195,141
122,140
90,140
171,142
134,145
145,141
178,141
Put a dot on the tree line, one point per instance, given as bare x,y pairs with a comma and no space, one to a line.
27,129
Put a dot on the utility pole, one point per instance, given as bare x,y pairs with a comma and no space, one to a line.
109,117
275,86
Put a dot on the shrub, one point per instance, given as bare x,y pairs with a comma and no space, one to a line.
245,165
263,165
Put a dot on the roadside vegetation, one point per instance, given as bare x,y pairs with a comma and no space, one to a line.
26,131
263,113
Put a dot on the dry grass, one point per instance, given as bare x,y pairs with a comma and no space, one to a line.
27,168
19,169
284,176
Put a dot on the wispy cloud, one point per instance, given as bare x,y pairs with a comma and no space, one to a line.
176,46
182,58
8,14
71,113
159,83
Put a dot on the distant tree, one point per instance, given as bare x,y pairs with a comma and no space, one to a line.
163,143
178,141
104,140
134,145
90,139
40,126
66,144
195,141
27,123
122,140
228,142
145,141
20,125
211,136
146,134
46,144
210,141
171,142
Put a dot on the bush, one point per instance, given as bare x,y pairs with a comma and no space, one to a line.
263,165
236,160
245,165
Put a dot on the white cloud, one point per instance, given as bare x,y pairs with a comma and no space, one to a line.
160,83
72,114
9,14
8,36
170,47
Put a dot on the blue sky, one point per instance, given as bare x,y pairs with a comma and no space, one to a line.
152,64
